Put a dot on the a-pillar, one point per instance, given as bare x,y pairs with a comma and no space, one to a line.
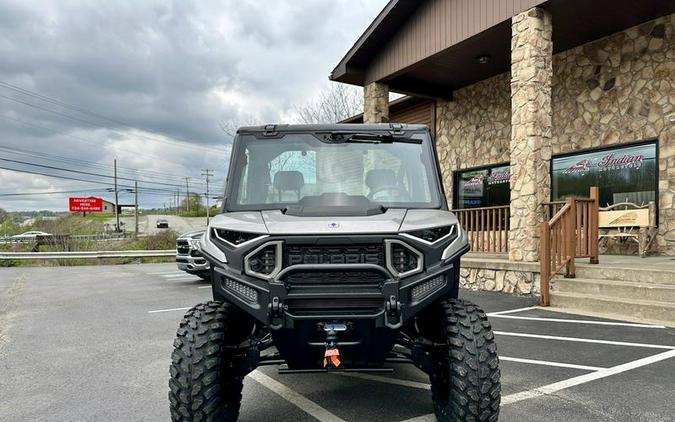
376,103
531,75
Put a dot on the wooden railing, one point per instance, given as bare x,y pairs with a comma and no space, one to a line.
572,232
586,224
487,228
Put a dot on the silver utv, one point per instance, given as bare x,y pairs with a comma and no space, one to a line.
335,250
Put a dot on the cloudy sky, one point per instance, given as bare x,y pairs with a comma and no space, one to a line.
149,83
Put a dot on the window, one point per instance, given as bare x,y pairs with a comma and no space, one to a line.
272,174
485,187
622,173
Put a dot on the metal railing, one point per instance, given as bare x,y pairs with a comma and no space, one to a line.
571,233
87,254
487,228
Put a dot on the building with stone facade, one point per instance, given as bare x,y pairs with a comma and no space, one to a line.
532,101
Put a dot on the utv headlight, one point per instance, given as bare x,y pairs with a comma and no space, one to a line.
435,234
235,238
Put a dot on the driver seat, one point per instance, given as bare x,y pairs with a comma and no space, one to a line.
378,178
288,181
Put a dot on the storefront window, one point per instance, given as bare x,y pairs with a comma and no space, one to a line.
485,187
627,173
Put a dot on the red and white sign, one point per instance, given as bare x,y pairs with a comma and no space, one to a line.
85,204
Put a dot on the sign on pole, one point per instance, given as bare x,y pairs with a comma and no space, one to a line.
85,204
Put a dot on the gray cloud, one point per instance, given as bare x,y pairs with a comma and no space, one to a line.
175,68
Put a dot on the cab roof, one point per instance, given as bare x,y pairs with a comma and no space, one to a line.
351,127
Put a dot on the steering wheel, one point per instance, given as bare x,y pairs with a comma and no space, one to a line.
404,193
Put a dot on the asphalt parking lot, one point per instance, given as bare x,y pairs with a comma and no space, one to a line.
93,344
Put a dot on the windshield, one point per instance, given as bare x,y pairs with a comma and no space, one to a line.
300,170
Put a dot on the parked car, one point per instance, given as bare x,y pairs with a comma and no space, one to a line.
162,223
30,235
188,257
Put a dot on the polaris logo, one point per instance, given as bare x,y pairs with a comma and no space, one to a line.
344,258
333,225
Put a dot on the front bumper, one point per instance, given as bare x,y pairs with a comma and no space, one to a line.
192,264
279,304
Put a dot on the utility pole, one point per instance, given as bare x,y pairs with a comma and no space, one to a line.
136,208
187,196
177,200
208,174
117,202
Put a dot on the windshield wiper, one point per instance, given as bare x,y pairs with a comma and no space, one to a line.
367,138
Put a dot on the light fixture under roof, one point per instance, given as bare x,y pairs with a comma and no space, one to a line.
484,59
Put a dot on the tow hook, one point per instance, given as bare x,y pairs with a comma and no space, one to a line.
276,312
392,315
331,357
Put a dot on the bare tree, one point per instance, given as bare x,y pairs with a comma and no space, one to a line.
331,105
230,126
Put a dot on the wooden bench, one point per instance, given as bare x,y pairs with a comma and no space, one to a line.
628,221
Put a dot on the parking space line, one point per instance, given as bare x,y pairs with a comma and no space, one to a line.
549,363
204,287
585,340
168,310
582,379
512,311
571,382
176,275
425,386
577,321
297,399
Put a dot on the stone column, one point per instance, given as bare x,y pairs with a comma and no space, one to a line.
531,75
375,103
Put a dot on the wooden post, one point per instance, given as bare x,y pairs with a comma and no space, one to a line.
544,263
571,238
593,229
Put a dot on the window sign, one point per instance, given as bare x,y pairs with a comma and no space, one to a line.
622,174
484,187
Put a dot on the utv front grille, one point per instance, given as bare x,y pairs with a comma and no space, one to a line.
327,282
334,254
334,308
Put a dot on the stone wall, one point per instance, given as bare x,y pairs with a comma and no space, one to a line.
622,89
375,103
619,89
477,274
474,129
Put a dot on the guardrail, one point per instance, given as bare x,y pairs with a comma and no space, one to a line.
87,254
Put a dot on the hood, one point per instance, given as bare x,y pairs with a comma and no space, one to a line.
387,222
195,234
391,221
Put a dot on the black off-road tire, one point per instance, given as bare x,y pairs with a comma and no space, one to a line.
205,382
465,383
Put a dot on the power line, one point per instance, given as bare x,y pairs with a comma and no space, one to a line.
56,101
165,190
83,163
78,119
84,172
